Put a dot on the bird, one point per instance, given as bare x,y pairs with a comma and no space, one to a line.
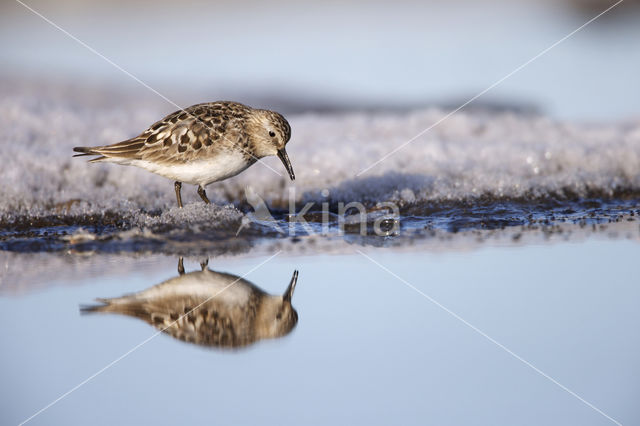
202,144
209,308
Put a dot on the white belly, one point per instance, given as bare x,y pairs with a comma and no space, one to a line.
199,172
207,284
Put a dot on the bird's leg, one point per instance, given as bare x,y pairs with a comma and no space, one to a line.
204,264
178,186
203,195
180,265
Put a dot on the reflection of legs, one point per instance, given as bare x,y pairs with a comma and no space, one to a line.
203,195
181,266
178,186
204,264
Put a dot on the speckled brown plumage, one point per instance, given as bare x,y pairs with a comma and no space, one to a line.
209,308
196,132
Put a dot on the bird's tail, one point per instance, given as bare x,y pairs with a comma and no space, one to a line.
125,150
120,305
87,150
105,306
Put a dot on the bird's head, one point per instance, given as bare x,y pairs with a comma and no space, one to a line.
277,316
269,132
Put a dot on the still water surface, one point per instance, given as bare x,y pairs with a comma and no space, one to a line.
367,348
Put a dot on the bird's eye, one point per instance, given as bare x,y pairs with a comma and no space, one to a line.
272,133
279,316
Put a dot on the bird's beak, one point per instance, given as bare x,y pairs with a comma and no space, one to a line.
282,155
288,294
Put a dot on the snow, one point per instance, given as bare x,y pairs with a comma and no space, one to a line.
468,155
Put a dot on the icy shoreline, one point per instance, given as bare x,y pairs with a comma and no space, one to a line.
471,168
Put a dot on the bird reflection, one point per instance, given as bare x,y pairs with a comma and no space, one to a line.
209,308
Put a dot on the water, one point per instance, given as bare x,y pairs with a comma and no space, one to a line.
367,347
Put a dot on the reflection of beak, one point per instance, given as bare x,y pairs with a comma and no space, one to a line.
288,294
282,155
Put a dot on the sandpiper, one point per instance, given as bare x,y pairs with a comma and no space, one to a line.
202,144
209,308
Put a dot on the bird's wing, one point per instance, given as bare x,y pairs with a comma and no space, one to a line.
200,131
187,318
193,137
210,324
